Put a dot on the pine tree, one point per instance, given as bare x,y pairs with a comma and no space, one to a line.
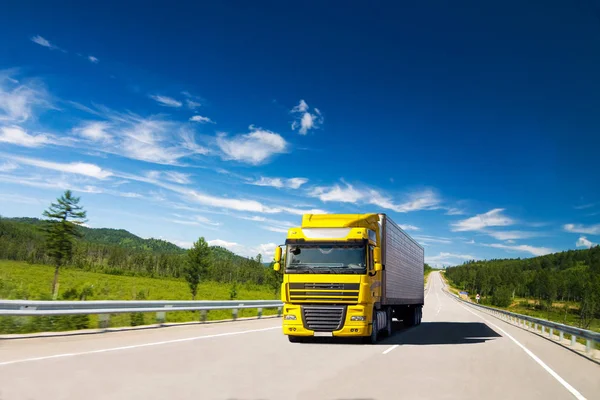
64,218
198,261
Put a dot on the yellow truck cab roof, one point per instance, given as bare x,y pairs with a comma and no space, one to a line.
336,227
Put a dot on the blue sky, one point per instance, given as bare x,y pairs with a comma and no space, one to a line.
474,126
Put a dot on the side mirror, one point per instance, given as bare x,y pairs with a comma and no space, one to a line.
378,267
277,266
277,254
377,256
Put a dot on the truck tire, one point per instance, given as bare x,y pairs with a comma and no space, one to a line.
372,339
388,328
410,317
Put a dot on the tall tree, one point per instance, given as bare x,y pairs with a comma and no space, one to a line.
64,217
198,261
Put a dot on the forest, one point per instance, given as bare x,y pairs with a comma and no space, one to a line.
569,277
119,252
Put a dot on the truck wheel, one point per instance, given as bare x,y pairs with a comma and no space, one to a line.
374,331
410,317
388,329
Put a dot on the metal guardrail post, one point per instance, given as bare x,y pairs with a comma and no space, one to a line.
279,311
203,315
561,335
551,333
259,312
543,329
573,340
234,313
588,346
103,321
161,317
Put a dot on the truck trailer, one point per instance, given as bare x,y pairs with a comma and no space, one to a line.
348,275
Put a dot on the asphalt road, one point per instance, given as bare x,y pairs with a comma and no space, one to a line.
456,353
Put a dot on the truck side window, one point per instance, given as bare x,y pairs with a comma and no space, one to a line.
371,264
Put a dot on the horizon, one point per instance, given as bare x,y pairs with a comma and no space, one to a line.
195,121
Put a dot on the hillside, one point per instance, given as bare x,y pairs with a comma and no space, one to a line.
119,252
567,282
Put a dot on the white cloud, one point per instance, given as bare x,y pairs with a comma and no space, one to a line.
254,148
585,206
444,258
423,200
166,101
536,251
511,235
182,243
79,168
292,183
426,240
8,166
96,131
584,242
275,229
306,121
93,59
45,43
201,119
347,194
455,211
172,176
18,136
409,227
266,250
491,218
580,228
18,101
192,104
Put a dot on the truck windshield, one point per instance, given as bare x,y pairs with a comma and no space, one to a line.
326,259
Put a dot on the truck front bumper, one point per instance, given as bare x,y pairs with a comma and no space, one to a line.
296,327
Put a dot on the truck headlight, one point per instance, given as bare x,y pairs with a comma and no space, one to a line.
357,318
290,317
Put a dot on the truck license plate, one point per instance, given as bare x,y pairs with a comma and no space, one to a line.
323,334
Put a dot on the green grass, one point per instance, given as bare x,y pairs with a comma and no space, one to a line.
19,280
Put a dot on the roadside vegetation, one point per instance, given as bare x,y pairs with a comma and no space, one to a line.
562,287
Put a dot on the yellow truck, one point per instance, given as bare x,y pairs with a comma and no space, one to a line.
348,275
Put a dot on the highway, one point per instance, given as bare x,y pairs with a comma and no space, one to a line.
456,353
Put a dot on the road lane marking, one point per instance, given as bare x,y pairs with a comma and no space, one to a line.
391,348
570,388
135,346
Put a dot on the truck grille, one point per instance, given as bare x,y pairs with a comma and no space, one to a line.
324,292
323,318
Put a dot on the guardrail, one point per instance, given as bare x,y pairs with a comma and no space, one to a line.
538,324
104,308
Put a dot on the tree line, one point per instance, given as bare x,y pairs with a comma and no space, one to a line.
569,276
61,240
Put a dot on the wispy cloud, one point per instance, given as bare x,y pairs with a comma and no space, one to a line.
79,168
580,228
201,119
266,249
8,166
192,104
192,101
347,193
584,242
254,148
409,227
18,136
166,101
45,43
292,183
455,211
536,251
93,59
172,176
96,131
427,240
305,120
20,99
444,258
512,235
491,218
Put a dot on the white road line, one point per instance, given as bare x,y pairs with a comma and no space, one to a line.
391,348
135,346
570,388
